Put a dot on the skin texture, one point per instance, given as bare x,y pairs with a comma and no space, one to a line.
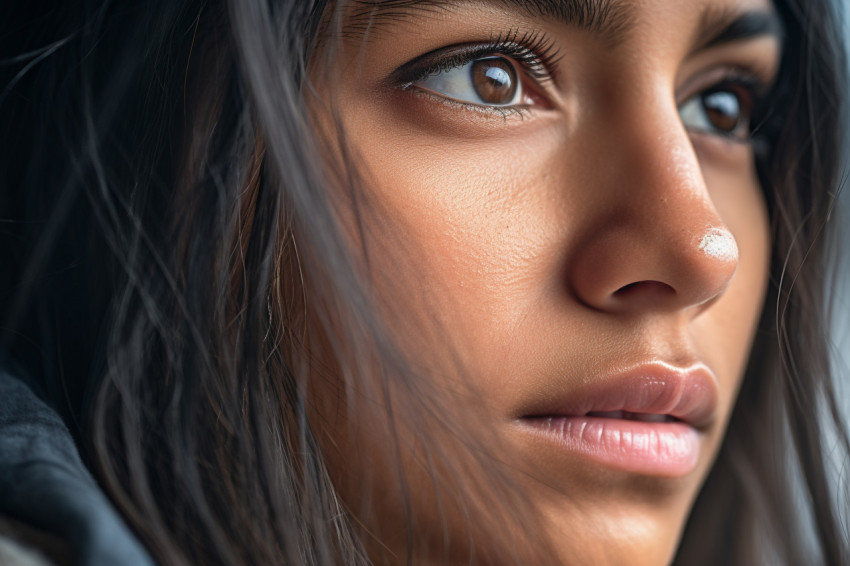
593,232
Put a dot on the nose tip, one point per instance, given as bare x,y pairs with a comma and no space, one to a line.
627,272
719,263
652,238
719,244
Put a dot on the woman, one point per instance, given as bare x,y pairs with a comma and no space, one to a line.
431,282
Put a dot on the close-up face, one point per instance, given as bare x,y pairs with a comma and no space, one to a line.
574,200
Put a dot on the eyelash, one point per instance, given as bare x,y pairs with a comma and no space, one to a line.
535,54
752,91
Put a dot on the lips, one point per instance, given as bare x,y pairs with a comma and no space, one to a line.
646,420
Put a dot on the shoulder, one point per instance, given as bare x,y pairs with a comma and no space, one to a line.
52,511
23,545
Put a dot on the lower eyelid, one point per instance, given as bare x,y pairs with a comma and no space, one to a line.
502,112
459,82
721,149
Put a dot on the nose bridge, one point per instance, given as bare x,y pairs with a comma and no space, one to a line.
660,175
660,243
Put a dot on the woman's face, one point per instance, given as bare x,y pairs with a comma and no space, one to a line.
576,182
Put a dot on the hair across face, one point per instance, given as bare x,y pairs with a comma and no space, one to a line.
435,281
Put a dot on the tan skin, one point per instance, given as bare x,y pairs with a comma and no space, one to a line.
602,221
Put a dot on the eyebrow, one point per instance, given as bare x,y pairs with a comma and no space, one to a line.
720,26
610,19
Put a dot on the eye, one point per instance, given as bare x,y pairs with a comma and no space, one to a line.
486,81
507,75
724,110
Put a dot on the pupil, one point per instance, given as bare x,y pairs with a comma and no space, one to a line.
723,110
495,80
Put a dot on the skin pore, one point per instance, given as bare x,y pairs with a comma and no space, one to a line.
580,195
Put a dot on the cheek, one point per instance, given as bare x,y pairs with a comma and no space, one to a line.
727,335
482,228
479,236
480,224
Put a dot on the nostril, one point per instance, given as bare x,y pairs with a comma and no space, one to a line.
630,268
648,290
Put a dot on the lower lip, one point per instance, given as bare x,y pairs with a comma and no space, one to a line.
669,449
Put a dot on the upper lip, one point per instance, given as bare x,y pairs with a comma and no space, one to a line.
688,394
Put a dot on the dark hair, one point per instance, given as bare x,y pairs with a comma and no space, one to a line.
774,494
170,261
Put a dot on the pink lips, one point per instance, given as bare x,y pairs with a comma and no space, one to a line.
646,420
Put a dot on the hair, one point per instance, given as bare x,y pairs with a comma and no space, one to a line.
174,253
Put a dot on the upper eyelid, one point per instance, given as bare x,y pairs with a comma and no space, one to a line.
753,85
455,57
534,52
411,72
758,91
753,76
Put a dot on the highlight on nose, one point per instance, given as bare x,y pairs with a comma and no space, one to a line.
623,271
720,244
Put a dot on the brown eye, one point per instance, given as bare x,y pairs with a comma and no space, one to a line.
724,110
495,80
486,81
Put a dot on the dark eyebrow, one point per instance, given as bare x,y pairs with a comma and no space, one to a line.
610,19
718,27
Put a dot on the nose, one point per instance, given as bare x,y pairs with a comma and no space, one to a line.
653,238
